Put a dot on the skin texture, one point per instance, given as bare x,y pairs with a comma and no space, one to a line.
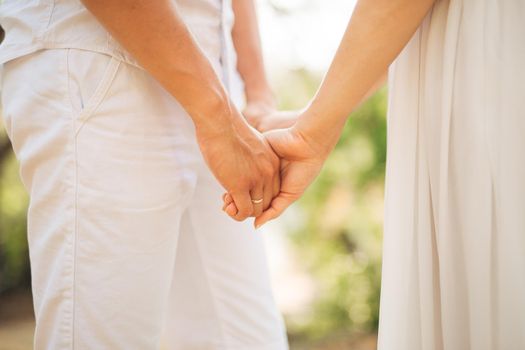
239,157
376,34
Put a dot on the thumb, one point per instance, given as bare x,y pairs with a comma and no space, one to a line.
277,207
281,141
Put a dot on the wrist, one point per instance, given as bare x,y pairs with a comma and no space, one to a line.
261,94
220,123
321,136
214,115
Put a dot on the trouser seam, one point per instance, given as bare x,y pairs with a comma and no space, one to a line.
71,179
75,230
74,183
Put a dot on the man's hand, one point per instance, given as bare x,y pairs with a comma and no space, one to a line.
301,161
244,163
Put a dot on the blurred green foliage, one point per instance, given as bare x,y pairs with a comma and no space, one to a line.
14,256
337,235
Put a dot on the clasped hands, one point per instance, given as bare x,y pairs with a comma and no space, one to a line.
275,161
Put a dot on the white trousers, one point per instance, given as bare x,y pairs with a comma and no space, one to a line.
126,234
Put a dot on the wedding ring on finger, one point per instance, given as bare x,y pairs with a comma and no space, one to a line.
257,201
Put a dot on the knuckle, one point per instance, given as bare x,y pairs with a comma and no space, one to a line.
268,171
245,212
244,182
239,218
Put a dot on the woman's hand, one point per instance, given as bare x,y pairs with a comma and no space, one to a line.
261,112
244,163
301,160
264,117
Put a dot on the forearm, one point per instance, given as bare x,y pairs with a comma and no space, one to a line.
376,34
375,87
157,37
250,63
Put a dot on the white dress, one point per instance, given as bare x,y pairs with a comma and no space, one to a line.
454,244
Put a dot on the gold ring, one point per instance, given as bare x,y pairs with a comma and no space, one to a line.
257,201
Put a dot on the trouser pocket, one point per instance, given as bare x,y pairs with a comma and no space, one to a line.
89,78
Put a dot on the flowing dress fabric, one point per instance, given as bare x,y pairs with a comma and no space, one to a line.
454,245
